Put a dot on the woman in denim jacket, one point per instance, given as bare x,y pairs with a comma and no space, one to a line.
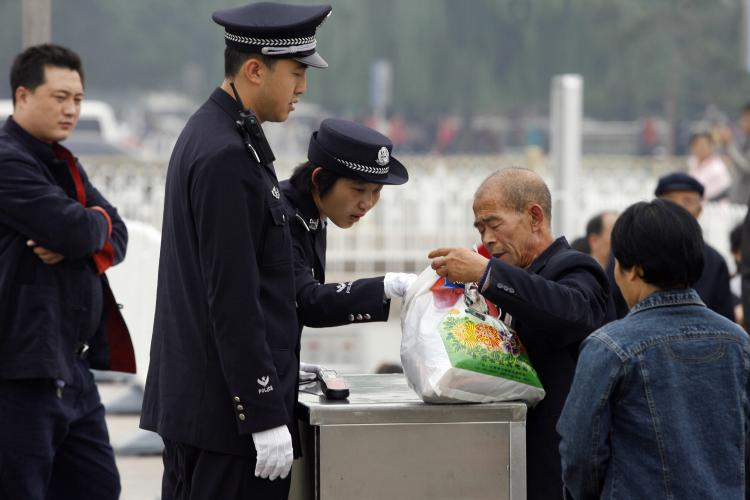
659,402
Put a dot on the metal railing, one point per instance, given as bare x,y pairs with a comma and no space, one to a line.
433,209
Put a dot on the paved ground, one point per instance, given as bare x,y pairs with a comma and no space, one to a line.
141,475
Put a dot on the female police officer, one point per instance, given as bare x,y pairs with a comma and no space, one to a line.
347,166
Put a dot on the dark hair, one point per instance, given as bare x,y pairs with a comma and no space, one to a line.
595,225
581,244
389,368
302,179
701,135
735,238
663,239
28,67
234,59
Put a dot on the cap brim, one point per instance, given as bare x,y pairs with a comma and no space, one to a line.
397,174
317,154
314,60
678,186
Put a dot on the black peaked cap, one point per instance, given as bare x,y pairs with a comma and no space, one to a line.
355,151
275,30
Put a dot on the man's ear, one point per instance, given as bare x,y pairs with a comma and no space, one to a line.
253,70
537,216
22,94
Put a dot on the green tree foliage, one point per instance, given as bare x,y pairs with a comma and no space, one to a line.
637,57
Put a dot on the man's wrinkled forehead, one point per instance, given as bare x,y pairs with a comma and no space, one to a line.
490,207
485,219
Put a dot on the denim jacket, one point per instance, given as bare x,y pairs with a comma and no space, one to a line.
659,405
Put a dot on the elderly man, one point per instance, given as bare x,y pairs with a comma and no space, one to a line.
552,296
713,284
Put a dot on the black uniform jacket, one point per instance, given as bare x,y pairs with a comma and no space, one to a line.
48,311
224,362
555,303
318,304
712,286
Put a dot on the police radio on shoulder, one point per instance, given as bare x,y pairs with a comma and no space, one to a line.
252,133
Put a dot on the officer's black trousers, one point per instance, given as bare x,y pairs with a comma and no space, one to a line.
55,445
194,474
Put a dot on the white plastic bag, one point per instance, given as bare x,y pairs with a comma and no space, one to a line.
452,353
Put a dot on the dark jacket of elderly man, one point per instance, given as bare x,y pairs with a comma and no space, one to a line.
552,296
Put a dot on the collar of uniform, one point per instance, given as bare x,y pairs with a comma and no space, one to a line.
40,149
559,244
226,102
304,206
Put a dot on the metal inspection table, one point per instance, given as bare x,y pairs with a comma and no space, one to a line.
385,443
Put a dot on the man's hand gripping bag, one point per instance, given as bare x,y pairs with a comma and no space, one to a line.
453,350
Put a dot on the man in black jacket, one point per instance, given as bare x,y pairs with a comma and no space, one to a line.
222,381
58,317
713,285
553,296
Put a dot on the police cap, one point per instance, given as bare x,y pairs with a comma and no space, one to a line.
355,151
275,30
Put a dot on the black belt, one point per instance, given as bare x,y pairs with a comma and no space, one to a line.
82,350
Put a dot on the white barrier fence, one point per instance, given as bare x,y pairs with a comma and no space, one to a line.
432,210
134,285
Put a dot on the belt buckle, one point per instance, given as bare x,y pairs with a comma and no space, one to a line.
82,350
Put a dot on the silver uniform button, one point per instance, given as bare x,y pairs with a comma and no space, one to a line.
240,407
241,416
359,317
351,317
237,399
367,316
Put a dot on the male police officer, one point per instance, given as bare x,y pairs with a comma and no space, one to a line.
222,380
58,317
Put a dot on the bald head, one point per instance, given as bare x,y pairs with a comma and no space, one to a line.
512,211
517,188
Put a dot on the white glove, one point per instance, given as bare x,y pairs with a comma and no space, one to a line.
396,284
274,450
308,372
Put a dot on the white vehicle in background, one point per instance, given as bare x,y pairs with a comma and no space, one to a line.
159,119
97,131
